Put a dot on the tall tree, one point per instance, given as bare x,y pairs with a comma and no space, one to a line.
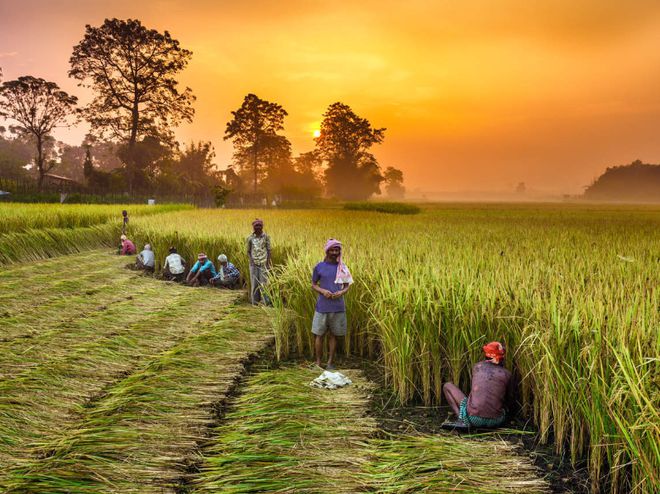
254,132
132,71
345,139
394,183
38,106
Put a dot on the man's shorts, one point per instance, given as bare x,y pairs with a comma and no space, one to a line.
333,321
475,421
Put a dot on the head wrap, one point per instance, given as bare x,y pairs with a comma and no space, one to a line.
494,351
222,258
201,256
257,222
123,237
147,246
343,273
172,250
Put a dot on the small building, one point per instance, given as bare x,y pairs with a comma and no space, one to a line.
63,184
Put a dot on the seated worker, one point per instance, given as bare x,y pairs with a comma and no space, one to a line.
491,391
201,272
228,276
146,259
127,247
174,267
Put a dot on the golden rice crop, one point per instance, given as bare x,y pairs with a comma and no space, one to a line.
572,291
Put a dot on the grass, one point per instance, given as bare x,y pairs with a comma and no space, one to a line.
282,436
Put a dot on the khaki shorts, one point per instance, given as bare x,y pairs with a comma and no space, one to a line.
334,321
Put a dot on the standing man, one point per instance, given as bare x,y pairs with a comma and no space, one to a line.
258,251
490,393
331,279
124,225
201,272
175,266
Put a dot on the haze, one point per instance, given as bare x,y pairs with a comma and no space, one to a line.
476,95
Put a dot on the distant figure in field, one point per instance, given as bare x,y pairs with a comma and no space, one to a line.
228,276
201,272
491,391
127,247
124,226
331,279
258,251
146,259
175,266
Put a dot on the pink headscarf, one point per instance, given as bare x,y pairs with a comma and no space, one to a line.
257,222
343,274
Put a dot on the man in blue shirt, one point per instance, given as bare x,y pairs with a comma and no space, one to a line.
331,279
202,271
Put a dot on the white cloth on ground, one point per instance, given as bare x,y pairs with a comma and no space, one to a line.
330,380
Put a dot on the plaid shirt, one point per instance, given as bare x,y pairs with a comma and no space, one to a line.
227,272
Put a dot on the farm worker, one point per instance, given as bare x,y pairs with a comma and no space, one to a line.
146,259
331,279
124,226
174,266
491,391
127,247
201,272
258,251
228,276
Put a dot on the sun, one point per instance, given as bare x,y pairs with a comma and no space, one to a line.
317,133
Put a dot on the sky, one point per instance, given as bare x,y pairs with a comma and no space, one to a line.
476,95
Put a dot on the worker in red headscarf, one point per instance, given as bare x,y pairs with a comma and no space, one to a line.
490,394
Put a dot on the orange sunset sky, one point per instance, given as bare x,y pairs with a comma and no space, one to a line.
476,95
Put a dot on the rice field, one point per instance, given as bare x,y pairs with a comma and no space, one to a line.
573,291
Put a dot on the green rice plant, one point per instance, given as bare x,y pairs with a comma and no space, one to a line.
383,207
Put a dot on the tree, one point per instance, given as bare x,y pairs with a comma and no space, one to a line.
394,183
132,71
344,142
38,106
253,131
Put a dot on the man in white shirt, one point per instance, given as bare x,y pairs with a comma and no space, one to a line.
175,267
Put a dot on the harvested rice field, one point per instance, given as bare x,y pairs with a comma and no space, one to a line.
112,381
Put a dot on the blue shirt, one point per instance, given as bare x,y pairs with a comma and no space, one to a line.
207,265
324,275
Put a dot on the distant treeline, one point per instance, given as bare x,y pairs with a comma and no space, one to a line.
132,72
635,182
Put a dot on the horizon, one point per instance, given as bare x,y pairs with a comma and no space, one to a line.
475,98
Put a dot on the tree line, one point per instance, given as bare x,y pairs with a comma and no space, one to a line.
137,103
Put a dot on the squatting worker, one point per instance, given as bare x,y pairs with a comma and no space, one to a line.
127,247
201,272
331,279
228,275
258,251
175,266
490,393
146,259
